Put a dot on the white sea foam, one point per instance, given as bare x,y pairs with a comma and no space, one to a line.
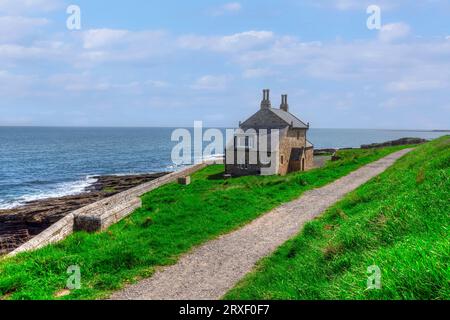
214,157
59,190
174,167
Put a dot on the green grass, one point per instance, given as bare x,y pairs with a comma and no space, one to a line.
173,219
399,221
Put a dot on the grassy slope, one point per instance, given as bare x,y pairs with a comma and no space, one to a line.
399,221
173,219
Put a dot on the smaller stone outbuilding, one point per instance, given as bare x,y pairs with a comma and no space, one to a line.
292,153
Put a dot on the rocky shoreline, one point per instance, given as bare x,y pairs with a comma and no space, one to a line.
20,224
399,142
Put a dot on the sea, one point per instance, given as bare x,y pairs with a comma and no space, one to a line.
38,163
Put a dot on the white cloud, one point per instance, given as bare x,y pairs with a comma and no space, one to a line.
416,85
257,73
98,38
346,5
230,43
398,73
87,82
394,31
257,53
211,82
401,101
227,8
244,40
17,52
15,85
28,6
14,28
115,45
157,83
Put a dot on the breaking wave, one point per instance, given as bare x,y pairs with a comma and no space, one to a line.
58,190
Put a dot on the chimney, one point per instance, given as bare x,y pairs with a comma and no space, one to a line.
265,103
284,104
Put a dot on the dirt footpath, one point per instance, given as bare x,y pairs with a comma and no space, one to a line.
211,270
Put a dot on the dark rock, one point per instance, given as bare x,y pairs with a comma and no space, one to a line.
324,152
335,157
399,142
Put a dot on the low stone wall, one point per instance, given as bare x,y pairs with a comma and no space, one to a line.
57,232
99,220
102,214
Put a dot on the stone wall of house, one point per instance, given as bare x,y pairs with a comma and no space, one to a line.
292,138
248,168
295,138
309,159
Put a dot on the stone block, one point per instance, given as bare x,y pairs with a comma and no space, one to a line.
184,180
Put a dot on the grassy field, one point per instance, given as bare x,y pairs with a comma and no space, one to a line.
399,221
173,219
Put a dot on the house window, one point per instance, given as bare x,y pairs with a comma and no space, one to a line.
251,142
282,159
246,142
298,135
241,142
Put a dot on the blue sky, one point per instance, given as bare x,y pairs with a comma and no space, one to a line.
169,63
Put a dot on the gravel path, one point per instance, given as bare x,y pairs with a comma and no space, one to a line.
211,270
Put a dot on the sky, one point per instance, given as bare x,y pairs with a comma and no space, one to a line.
170,63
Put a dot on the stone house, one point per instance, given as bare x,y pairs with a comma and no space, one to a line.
293,152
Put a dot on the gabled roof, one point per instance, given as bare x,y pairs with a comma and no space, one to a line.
264,118
289,118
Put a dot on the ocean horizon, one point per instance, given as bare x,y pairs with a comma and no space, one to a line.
46,162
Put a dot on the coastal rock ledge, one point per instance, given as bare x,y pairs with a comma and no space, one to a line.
19,225
399,142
